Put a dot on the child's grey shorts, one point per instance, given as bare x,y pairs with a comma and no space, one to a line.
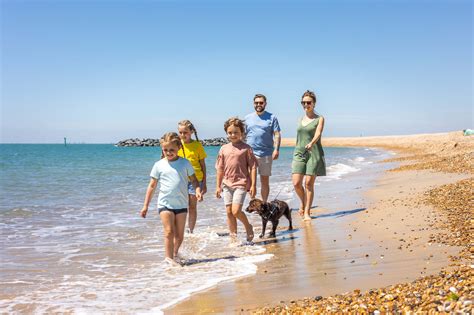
233,195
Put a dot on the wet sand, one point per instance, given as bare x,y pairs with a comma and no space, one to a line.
386,240
386,243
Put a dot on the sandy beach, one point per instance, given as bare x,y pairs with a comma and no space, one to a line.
405,246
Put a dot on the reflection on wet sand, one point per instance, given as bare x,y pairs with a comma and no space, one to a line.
339,250
298,267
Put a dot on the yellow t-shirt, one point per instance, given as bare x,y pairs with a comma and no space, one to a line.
194,152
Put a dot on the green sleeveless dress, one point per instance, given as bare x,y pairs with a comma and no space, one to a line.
308,162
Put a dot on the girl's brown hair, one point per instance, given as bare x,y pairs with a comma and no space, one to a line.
310,94
188,124
235,121
171,137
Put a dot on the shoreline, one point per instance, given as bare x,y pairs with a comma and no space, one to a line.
402,251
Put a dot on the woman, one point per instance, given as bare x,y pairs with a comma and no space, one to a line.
308,157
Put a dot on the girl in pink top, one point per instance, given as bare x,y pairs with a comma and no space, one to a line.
236,174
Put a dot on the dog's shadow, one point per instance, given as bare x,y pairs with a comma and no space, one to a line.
270,240
279,238
338,214
274,240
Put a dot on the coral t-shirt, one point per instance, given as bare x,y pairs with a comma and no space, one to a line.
235,160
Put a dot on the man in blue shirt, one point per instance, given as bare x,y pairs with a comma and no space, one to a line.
263,135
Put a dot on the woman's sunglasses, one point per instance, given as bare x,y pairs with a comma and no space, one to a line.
306,102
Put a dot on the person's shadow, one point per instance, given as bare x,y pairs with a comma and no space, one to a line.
338,214
189,262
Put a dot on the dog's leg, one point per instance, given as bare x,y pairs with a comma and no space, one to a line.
274,227
264,226
288,216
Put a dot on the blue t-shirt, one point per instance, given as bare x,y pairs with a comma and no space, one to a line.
260,129
173,180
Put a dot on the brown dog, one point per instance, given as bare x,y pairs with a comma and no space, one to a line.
270,211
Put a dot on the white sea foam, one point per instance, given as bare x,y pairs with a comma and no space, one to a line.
335,172
110,283
242,267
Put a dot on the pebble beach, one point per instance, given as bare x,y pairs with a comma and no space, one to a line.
449,290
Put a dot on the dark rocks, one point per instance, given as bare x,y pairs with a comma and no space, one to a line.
138,143
214,141
156,142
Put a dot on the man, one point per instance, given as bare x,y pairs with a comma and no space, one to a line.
263,135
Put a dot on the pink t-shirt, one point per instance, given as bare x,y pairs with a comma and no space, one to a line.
234,160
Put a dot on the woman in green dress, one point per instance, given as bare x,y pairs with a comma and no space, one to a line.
308,157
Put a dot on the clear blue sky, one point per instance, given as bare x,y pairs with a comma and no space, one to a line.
102,71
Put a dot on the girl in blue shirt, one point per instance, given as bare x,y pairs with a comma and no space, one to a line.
173,173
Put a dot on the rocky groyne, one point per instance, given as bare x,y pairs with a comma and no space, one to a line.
156,142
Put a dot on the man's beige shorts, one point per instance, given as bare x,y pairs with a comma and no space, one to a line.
265,165
233,195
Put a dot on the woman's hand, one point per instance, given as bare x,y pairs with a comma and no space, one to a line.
218,192
309,146
143,212
203,189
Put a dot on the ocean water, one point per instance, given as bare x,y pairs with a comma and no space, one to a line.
72,239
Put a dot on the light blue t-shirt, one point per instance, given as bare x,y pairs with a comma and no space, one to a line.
260,129
173,181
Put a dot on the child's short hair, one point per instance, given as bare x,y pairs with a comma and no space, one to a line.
310,94
171,137
235,121
188,124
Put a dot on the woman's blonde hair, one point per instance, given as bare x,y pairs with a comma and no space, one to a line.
237,122
188,124
171,137
310,94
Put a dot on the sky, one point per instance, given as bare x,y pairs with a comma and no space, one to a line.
103,71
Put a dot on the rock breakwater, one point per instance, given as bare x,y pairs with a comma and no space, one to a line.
156,142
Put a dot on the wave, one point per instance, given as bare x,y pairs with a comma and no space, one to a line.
335,172
245,266
113,281
16,213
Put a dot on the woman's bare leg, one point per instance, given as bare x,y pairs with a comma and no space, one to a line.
309,195
298,185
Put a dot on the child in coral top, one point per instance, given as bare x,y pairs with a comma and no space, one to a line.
236,168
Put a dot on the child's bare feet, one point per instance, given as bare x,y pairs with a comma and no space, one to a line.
178,259
250,233
171,262
233,238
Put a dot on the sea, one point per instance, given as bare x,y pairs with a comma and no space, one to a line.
72,240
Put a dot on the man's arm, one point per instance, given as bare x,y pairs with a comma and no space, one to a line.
276,144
